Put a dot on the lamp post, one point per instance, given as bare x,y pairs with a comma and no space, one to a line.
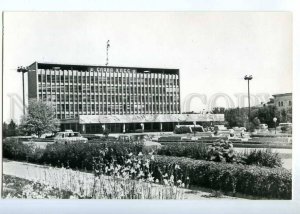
23,70
275,120
248,78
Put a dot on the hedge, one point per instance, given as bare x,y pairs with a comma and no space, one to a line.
251,180
16,150
73,155
200,151
192,150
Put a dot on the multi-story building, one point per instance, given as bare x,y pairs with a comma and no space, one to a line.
283,101
119,98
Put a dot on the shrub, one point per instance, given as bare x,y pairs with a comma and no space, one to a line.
106,132
17,150
73,155
192,150
182,130
251,180
81,155
263,158
222,152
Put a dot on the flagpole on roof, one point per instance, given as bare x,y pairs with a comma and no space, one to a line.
107,47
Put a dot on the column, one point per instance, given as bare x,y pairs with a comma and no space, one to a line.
83,129
55,88
124,128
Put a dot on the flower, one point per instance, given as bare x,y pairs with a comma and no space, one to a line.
130,154
140,154
166,182
146,165
177,166
141,173
179,181
151,179
156,181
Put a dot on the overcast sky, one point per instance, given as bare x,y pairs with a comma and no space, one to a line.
212,50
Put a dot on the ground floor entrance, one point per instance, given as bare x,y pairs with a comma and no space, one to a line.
120,127
96,124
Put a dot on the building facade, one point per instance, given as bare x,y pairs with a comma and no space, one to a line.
283,101
81,93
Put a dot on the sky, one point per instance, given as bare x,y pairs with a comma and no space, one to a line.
213,50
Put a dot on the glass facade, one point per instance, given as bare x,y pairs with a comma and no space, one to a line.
99,90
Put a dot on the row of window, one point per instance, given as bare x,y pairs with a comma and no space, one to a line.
76,115
107,89
82,79
117,99
281,103
81,107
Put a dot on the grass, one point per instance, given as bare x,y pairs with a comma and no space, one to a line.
14,187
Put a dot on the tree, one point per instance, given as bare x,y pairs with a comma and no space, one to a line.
218,110
236,116
10,129
4,130
40,119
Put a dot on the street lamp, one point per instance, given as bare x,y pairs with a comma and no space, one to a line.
275,120
23,70
248,78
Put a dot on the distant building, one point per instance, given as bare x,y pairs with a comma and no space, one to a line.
91,98
283,101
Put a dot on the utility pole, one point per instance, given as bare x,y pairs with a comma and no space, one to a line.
23,70
107,48
248,78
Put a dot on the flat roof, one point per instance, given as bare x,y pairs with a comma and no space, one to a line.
281,95
44,65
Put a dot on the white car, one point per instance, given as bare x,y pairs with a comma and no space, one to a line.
69,137
263,126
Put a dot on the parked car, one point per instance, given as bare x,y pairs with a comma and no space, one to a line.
220,128
69,137
184,129
236,128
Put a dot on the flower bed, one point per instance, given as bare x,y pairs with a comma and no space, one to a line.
250,180
219,152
